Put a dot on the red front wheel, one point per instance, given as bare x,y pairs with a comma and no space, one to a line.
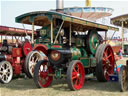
41,74
75,75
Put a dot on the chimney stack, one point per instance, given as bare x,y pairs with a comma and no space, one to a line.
60,6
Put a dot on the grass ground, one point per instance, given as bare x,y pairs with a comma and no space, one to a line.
22,87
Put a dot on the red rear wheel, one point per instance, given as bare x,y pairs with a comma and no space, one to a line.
75,75
41,74
105,62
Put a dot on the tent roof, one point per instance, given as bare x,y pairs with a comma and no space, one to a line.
11,31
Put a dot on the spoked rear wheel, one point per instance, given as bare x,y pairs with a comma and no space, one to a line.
42,73
6,72
105,62
75,75
123,78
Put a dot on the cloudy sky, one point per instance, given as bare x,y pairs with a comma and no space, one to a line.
11,8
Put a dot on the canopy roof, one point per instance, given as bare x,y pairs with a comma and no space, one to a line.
11,31
118,20
42,18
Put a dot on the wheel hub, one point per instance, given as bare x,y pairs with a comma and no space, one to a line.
78,74
4,71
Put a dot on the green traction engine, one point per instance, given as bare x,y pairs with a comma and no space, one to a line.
72,46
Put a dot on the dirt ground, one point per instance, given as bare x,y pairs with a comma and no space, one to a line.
22,87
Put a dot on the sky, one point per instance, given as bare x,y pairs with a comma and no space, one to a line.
9,9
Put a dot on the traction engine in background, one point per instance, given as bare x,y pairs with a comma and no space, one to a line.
12,59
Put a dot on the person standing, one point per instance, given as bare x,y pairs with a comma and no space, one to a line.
121,53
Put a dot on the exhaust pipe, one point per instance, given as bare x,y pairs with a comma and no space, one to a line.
59,6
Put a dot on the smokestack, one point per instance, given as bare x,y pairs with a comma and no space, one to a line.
59,5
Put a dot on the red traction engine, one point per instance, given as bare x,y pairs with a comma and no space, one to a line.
12,59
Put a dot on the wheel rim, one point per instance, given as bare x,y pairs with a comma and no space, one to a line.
108,62
44,78
6,72
34,58
78,76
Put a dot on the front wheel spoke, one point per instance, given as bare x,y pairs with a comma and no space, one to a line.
108,56
105,54
32,59
107,73
43,67
74,70
74,77
104,64
8,73
31,63
2,67
2,76
107,50
6,77
78,70
31,67
76,81
74,73
7,66
107,66
37,59
1,72
8,70
104,59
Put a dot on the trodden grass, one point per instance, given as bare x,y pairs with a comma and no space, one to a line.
22,87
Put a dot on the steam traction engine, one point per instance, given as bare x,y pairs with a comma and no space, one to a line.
12,59
73,47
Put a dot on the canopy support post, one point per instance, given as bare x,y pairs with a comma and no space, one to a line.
21,38
105,37
12,39
51,31
5,36
58,32
122,35
70,33
32,32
